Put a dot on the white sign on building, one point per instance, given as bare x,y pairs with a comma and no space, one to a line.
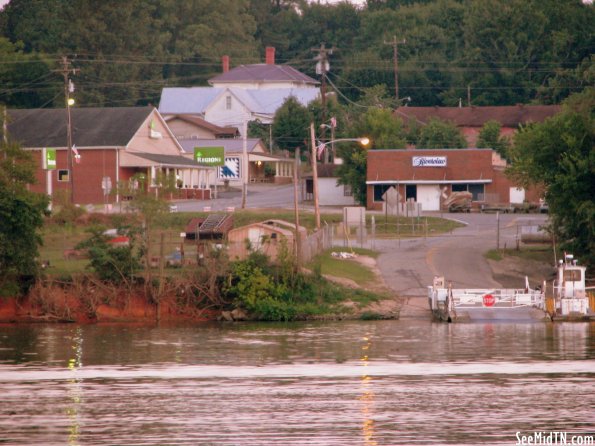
429,161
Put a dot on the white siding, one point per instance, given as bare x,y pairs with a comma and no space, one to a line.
331,194
217,113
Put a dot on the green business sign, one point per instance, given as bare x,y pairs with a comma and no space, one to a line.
209,156
49,159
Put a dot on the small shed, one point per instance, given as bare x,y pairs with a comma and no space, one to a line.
213,227
270,237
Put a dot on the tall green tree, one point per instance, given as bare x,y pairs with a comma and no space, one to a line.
21,217
489,137
559,154
26,80
438,134
291,125
384,130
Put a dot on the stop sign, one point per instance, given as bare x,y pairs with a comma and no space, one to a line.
489,300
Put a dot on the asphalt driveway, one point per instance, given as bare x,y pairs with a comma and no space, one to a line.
408,267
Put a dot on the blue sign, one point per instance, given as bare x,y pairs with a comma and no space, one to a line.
231,169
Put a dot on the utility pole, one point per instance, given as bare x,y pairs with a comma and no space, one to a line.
395,46
68,88
4,127
322,67
315,177
245,163
298,249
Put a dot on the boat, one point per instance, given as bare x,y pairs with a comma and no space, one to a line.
571,299
469,304
568,300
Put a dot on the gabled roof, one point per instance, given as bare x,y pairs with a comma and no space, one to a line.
200,122
507,116
263,73
192,100
196,100
91,127
229,145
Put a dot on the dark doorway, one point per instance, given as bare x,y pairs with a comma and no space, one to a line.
411,191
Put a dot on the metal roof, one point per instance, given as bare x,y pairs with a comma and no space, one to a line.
263,73
507,115
192,100
196,100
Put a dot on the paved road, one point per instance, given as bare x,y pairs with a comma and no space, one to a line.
409,267
258,196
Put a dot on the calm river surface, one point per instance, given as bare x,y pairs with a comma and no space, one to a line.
339,383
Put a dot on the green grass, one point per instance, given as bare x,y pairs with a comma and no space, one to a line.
345,268
540,253
58,238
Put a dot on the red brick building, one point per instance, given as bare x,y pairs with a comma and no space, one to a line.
470,120
426,176
113,143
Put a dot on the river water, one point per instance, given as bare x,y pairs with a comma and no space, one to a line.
338,383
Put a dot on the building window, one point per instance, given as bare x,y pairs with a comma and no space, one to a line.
63,175
379,190
477,190
228,102
347,192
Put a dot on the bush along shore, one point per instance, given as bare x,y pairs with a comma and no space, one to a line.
251,289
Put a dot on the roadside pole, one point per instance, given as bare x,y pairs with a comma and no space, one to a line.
315,177
497,230
298,247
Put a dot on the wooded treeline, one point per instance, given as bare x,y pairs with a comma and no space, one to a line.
500,52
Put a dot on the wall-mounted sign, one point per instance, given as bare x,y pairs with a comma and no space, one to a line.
49,159
209,156
231,169
429,161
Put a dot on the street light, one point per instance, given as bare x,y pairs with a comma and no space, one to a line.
315,148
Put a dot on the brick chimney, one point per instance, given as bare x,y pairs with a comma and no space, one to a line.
270,55
225,63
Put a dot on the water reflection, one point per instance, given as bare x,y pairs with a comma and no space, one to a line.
367,397
371,383
75,391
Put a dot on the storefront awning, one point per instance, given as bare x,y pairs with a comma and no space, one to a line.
268,158
128,159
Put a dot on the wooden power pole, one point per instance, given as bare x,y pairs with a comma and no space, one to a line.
395,44
322,67
66,70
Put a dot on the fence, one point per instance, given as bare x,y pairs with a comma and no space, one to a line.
316,243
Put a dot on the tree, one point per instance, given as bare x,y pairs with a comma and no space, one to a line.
25,79
489,137
438,134
382,127
21,217
291,125
559,154
115,264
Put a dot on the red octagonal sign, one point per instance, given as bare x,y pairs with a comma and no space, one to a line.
489,300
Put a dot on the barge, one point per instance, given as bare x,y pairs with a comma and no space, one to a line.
568,300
